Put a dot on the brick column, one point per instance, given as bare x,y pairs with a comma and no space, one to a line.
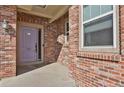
73,38
8,42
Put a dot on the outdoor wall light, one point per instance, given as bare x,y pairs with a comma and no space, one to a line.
5,25
7,28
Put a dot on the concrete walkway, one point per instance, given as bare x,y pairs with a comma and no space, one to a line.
53,75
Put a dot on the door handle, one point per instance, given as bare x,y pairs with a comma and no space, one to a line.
36,47
43,45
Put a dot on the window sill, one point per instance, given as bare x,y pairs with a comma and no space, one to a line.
104,49
100,56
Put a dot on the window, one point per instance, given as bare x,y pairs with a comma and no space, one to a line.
98,26
66,31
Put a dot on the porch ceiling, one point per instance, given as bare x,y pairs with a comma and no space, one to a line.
52,12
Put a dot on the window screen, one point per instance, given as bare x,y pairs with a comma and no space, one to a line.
98,31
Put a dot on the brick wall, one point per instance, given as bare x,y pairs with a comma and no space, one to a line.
54,30
94,68
64,55
8,42
52,47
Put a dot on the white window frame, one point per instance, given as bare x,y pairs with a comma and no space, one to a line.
115,30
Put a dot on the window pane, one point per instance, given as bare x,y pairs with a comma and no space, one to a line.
99,32
106,8
95,10
86,12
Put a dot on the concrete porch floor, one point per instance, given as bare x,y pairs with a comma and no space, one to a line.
53,75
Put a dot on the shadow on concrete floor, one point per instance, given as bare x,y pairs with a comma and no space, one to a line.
26,68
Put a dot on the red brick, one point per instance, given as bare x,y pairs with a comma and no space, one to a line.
7,45
107,66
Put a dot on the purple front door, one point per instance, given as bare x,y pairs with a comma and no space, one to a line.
28,44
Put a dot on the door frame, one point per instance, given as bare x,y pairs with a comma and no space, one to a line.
21,24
